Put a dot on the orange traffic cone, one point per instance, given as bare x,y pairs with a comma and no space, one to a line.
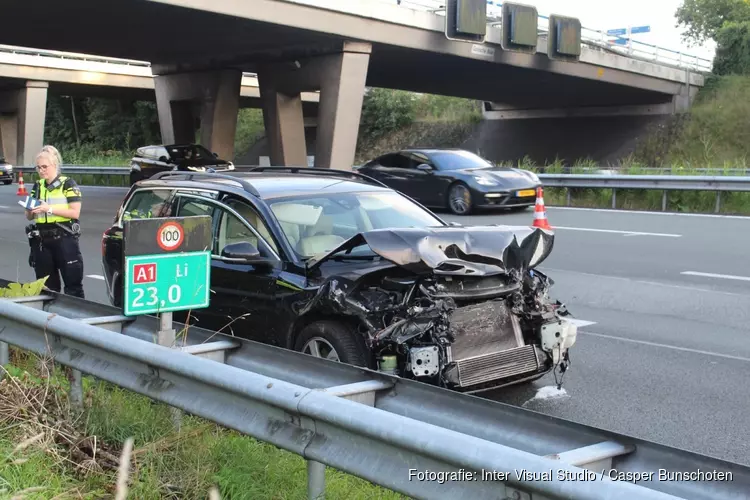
540,214
21,188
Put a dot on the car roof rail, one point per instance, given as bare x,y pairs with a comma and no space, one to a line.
247,186
319,171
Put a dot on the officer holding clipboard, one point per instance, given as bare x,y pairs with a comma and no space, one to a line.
54,204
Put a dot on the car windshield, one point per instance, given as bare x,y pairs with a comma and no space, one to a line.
316,225
458,160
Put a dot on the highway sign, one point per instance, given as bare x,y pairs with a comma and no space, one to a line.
633,30
166,283
167,264
619,31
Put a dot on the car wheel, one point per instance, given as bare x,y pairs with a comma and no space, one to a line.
459,199
334,341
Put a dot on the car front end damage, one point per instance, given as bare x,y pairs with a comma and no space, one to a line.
461,308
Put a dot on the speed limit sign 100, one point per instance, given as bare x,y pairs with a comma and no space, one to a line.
170,236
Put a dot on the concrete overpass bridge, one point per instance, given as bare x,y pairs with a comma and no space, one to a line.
201,50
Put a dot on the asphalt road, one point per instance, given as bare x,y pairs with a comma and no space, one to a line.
661,354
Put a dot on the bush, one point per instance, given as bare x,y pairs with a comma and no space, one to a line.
733,49
385,111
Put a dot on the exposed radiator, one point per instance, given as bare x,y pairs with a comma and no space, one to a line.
495,365
483,329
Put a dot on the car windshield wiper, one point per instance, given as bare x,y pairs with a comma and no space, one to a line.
339,257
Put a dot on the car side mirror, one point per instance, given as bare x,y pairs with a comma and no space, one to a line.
216,155
163,159
240,251
424,167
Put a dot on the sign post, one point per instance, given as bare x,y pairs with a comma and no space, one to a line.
167,268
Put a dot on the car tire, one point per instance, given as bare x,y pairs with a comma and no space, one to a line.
7,182
349,348
459,199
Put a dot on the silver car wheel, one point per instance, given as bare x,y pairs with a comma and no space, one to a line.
320,348
459,199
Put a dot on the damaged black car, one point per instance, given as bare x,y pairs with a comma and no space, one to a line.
336,265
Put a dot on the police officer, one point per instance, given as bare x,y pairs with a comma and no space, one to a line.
54,248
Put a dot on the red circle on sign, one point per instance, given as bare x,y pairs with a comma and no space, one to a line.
170,236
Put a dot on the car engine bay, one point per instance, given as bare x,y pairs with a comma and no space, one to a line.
457,322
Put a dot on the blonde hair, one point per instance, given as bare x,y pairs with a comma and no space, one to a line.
52,157
53,150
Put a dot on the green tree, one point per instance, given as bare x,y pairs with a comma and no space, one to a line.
704,18
733,49
385,111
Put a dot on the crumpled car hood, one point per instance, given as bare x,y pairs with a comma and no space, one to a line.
464,251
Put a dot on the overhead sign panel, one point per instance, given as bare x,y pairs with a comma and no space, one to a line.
466,20
564,38
519,27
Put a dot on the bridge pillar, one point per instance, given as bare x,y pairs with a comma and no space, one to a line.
22,115
340,77
283,121
212,95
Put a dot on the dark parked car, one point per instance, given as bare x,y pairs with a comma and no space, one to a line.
6,172
453,178
339,266
150,160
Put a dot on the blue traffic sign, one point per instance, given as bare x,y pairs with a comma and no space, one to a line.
620,41
634,30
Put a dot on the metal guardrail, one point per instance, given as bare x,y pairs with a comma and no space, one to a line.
665,183
589,36
390,431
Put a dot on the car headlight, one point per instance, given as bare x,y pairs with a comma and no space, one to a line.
485,181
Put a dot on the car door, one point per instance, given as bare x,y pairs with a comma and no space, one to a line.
242,295
423,185
386,170
248,291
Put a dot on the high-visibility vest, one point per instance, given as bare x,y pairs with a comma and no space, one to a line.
65,191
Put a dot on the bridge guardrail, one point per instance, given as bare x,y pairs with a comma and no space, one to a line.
385,429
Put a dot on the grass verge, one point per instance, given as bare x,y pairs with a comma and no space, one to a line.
49,451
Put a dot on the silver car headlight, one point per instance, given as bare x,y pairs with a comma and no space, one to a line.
485,181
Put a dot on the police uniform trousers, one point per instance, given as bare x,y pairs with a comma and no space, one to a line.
58,253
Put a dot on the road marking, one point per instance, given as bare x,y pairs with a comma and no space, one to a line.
615,231
4,206
721,276
645,212
667,346
548,270
580,323
95,276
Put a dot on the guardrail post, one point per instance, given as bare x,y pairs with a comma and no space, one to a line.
316,480
76,389
718,202
4,357
664,201
567,197
166,337
614,198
